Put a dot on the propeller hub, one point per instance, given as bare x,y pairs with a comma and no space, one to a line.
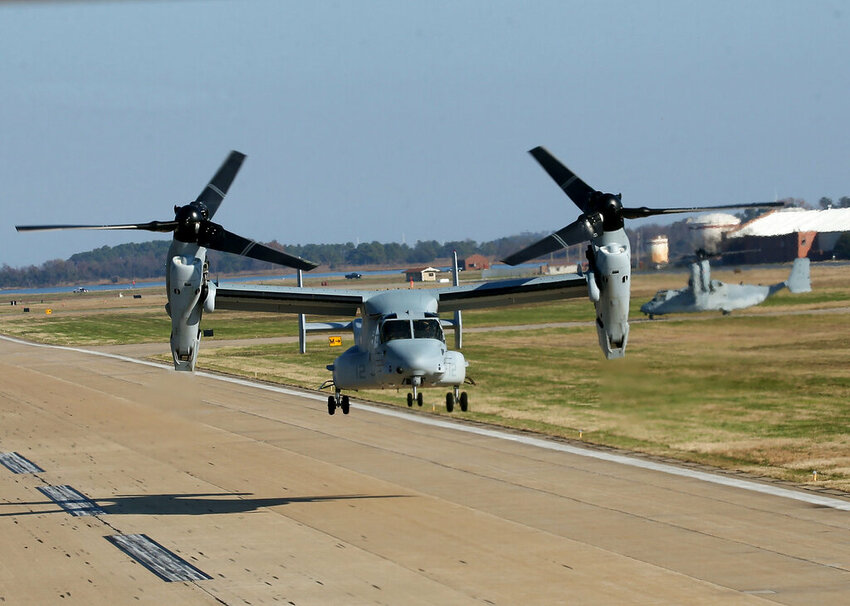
189,220
611,208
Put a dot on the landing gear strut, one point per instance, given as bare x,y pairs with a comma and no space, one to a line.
452,398
338,401
416,395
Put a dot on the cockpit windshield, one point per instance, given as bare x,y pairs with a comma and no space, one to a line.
401,329
395,329
427,329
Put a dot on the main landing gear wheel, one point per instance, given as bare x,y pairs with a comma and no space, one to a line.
419,399
338,401
455,397
409,400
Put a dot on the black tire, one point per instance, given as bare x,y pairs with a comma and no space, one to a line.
331,405
450,402
464,401
419,399
344,405
409,399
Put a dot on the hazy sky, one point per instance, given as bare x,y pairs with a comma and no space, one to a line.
408,121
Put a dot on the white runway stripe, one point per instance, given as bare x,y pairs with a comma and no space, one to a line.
18,464
156,558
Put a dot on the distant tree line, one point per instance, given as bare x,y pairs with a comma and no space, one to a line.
146,260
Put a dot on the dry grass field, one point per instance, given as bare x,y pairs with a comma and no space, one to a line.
764,390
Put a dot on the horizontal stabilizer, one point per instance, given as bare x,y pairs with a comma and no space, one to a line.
328,326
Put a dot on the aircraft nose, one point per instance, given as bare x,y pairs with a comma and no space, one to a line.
413,357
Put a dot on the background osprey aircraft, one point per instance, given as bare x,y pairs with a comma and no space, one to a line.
187,271
609,253
704,294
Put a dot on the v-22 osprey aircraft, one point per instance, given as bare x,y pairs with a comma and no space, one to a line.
704,294
399,336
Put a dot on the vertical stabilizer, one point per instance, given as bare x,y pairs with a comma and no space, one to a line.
302,324
458,319
800,278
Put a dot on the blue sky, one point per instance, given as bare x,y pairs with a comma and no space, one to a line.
408,121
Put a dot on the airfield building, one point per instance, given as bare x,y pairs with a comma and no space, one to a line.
473,262
786,234
421,274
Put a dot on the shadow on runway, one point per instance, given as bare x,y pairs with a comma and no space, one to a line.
186,504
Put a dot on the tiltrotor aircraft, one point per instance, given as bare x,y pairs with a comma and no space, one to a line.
399,339
704,294
187,271
609,253
399,336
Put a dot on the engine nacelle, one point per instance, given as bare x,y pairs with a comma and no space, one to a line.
351,370
454,369
185,305
612,264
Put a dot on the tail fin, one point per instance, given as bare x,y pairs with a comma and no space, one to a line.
458,323
799,280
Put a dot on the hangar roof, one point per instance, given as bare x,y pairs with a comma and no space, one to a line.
791,220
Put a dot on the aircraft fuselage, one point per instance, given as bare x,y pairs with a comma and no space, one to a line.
399,342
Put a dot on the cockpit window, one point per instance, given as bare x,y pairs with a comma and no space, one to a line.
395,329
427,329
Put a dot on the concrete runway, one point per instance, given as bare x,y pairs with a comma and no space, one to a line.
276,502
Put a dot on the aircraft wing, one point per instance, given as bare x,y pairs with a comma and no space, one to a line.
511,292
289,299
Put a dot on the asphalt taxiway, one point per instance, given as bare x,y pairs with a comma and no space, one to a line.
141,476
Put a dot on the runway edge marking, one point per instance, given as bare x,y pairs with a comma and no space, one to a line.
702,476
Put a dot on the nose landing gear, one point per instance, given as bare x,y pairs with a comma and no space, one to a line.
416,395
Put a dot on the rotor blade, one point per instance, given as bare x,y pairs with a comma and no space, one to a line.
163,226
214,236
643,211
579,230
578,191
216,189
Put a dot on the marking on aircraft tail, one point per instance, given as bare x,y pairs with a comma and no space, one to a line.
18,464
72,501
163,563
